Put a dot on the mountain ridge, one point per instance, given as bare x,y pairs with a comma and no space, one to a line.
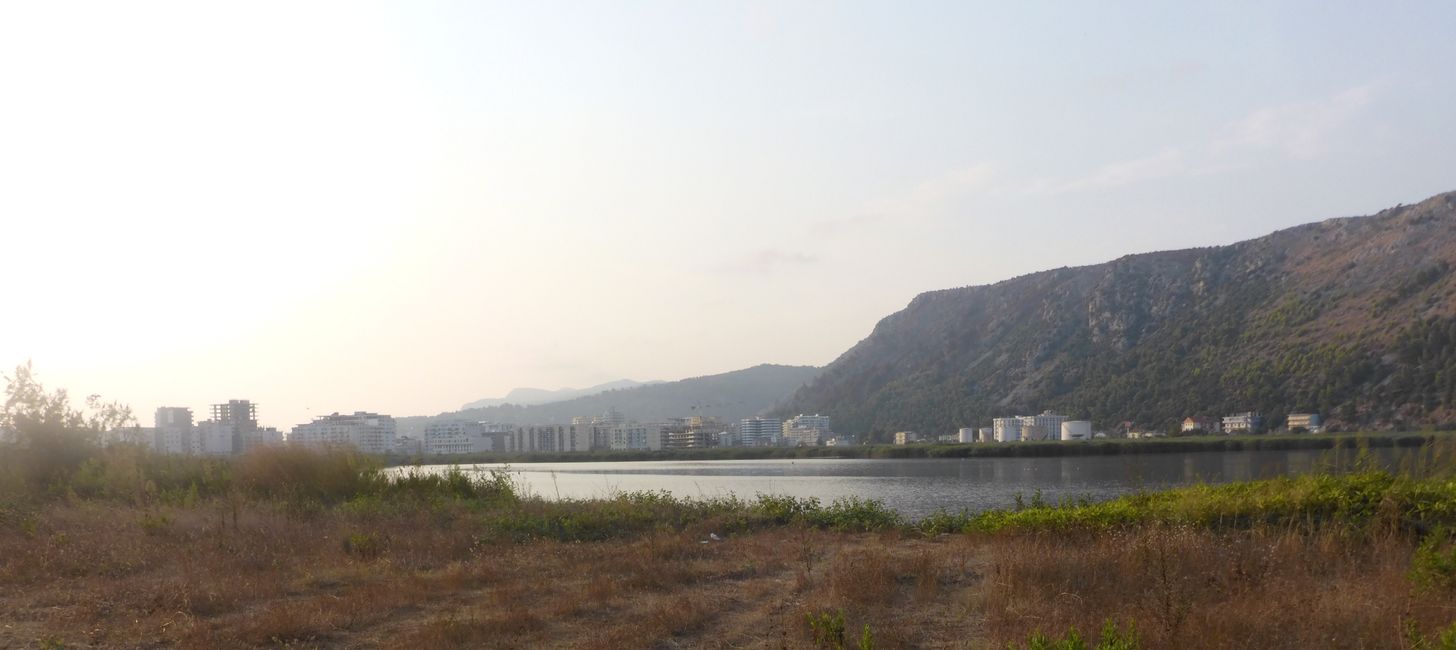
527,396
730,396
1347,315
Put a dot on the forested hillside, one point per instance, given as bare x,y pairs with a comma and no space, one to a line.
1354,318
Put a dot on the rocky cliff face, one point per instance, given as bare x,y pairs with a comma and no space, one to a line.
1352,317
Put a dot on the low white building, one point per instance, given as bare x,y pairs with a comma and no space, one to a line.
1047,426
906,437
370,433
1246,422
1310,422
447,437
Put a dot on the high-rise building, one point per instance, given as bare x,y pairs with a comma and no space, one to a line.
174,431
760,432
240,413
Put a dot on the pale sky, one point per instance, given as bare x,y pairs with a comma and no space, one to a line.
403,207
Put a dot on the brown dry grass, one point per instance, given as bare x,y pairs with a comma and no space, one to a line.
1190,588
92,575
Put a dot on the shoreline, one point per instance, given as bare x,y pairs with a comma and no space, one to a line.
1100,447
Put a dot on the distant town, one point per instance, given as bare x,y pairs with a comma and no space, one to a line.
233,428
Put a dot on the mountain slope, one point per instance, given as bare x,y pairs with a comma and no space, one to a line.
527,396
730,396
1354,318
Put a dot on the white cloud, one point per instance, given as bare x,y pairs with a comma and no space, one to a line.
1165,164
1302,130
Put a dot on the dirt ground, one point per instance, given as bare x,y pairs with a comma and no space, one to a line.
90,575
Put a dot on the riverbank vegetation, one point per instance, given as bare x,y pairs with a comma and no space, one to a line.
115,546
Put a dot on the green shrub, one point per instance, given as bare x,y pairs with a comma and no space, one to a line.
827,629
364,546
1444,639
853,514
1433,568
1112,638
154,525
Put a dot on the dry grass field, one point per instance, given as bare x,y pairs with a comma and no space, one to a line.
91,574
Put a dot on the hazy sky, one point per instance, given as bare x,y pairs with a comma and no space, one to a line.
403,207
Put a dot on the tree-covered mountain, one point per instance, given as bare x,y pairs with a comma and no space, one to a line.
730,396
1354,318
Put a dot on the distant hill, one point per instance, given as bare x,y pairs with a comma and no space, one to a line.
529,396
1354,318
730,396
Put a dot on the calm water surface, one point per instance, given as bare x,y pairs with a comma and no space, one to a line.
915,487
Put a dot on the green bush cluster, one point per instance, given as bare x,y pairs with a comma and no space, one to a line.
1112,638
828,631
1358,501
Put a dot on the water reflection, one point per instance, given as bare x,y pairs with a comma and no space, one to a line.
917,487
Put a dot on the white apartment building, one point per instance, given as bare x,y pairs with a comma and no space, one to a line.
805,436
801,421
1310,422
1047,426
636,435
1006,429
215,439
1246,422
370,433
173,431
260,437
445,437
760,432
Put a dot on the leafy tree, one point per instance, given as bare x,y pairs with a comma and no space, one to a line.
43,439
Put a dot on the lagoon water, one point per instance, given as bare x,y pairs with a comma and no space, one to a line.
917,487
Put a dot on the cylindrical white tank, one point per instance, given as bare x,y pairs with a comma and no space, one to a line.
1076,430
967,434
1007,429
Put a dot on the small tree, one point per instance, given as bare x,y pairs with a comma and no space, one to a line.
43,440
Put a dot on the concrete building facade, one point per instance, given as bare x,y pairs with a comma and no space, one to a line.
760,432
450,437
370,433
1006,429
